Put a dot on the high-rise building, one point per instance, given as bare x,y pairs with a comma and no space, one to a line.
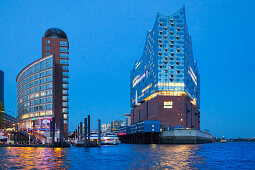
165,82
2,87
43,85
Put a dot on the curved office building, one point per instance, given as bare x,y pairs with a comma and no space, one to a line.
35,96
43,85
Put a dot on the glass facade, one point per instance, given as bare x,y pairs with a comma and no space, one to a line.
35,99
167,66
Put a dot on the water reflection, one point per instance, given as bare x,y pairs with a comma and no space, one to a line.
29,158
168,156
128,156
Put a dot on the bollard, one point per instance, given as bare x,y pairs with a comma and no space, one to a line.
99,132
86,131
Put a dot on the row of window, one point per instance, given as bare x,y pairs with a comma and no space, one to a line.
37,108
36,76
47,47
36,89
41,113
41,66
38,101
36,83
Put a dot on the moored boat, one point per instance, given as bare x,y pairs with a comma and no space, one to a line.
110,139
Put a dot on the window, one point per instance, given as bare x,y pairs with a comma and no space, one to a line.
171,45
172,67
172,54
177,37
172,24
160,45
48,41
178,62
64,97
178,50
178,29
160,32
63,61
171,32
65,80
65,121
63,55
45,47
65,116
178,71
160,66
166,49
65,86
168,104
48,47
63,43
171,20
160,54
165,36
63,49
65,104
65,74
161,24
165,28
65,67
65,92
172,41
65,110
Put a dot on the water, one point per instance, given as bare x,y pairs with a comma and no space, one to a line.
129,156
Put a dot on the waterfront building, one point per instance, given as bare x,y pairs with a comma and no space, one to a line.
7,121
106,128
42,86
2,87
165,81
116,125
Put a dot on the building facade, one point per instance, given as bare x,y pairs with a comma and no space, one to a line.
115,126
165,82
7,121
2,87
42,86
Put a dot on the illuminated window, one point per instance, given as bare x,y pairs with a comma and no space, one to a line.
65,121
178,29
160,32
171,20
171,32
161,24
172,24
168,104
165,28
65,116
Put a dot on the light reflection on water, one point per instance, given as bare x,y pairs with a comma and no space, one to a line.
128,156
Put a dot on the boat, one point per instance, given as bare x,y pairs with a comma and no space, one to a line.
223,140
110,139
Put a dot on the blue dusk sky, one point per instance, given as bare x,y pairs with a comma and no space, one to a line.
107,36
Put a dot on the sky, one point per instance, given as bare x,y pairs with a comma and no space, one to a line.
107,36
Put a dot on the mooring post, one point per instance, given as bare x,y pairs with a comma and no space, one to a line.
86,131
78,132
81,131
53,131
99,132
61,130
33,131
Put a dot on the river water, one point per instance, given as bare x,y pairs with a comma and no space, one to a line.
232,155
